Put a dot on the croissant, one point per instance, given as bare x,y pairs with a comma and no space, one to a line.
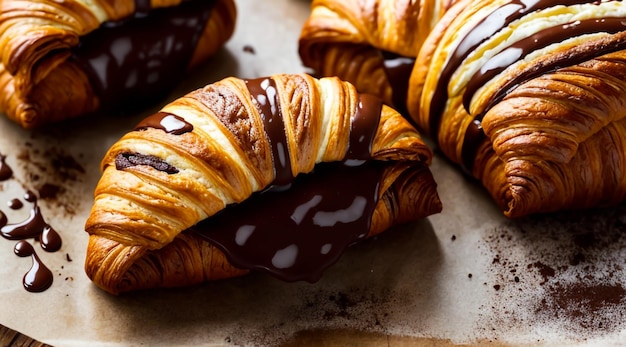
529,99
278,174
63,59
372,44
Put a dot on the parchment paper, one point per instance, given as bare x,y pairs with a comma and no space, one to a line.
465,276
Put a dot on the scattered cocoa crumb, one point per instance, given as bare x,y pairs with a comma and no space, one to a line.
496,287
469,275
67,257
453,237
249,49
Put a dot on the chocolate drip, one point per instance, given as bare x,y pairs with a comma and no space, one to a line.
487,27
398,71
170,123
297,233
15,204
32,227
474,133
363,128
126,160
5,170
39,277
137,60
265,95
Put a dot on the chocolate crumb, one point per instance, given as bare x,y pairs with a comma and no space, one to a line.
249,49
469,275
496,287
453,237
67,257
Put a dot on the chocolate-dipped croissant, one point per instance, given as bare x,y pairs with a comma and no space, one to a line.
529,98
372,44
62,59
278,173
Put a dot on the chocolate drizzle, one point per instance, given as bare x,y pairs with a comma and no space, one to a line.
39,277
297,233
5,170
539,40
170,123
138,59
265,96
487,27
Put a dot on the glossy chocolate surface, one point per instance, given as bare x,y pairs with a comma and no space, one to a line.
296,233
264,92
139,59
38,278
167,122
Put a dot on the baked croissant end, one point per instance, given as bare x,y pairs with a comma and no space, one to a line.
372,44
63,59
203,189
530,99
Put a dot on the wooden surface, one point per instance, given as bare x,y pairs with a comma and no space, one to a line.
12,338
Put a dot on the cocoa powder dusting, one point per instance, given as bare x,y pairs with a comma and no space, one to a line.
54,174
563,272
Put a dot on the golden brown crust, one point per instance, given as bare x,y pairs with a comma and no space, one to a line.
345,38
139,214
551,123
40,83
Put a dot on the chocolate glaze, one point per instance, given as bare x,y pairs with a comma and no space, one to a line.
39,277
363,128
265,96
126,160
170,123
295,234
5,170
398,70
487,27
139,59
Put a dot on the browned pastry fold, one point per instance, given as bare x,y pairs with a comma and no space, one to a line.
219,153
371,44
531,104
44,77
